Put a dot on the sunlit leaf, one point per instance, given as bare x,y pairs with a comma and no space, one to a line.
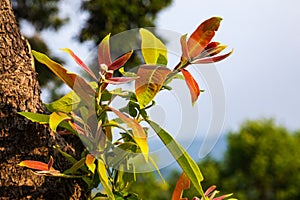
104,52
79,62
37,165
208,60
36,117
149,83
184,160
56,118
66,104
75,82
138,132
153,50
182,184
192,85
201,37
90,162
101,169
120,61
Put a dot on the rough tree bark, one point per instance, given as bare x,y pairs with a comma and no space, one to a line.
19,138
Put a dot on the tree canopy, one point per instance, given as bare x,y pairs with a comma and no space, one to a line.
261,162
104,17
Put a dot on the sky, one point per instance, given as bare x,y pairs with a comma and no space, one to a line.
259,80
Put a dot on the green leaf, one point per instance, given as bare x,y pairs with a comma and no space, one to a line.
75,82
66,155
201,37
187,164
76,166
56,118
192,85
151,79
66,104
104,179
138,133
153,50
36,117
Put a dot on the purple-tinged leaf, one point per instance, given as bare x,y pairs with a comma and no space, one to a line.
79,62
119,80
192,85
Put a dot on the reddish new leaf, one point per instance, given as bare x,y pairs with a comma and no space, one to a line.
149,83
184,48
37,165
120,61
201,37
119,80
75,82
104,52
212,49
90,162
79,62
208,60
138,132
192,85
50,163
182,184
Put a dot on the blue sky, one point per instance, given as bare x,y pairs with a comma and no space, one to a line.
261,78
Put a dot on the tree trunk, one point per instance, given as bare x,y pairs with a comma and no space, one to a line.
20,139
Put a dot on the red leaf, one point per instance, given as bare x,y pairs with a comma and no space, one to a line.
79,62
50,163
192,85
183,183
120,61
37,165
201,37
104,52
208,60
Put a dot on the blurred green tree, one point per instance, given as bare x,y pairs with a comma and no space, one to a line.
105,17
116,16
261,162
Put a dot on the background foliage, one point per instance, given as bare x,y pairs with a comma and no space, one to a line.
104,17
